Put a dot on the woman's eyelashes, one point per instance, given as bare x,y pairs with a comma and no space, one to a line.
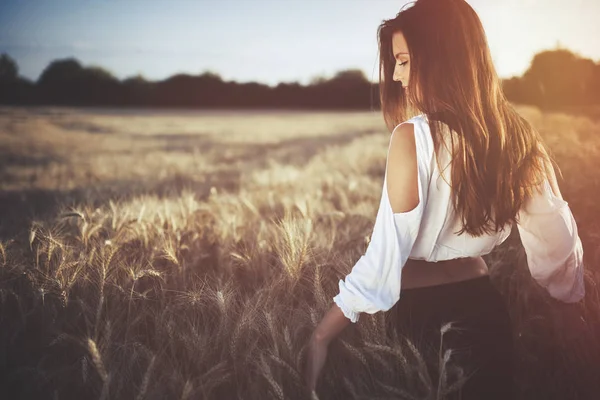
403,63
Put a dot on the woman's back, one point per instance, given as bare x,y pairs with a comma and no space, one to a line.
546,225
437,239
428,232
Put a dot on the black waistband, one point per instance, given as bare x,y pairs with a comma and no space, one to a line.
464,284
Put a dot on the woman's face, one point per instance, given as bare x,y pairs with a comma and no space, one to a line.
402,58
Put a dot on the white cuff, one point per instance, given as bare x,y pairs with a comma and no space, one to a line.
351,315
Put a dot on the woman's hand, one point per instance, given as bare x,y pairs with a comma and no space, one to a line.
332,324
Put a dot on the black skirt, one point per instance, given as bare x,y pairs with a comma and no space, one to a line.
480,336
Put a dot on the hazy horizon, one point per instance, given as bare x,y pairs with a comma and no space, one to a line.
265,41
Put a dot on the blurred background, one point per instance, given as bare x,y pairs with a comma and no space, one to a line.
268,53
183,184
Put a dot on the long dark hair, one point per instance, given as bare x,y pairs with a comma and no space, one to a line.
498,158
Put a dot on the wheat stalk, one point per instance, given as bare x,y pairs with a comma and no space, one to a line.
285,365
97,359
351,388
288,339
146,379
397,391
104,393
239,326
443,361
3,250
106,260
170,252
422,366
318,287
84,369
266,370
271,325
187,390
293,249
390,350
355,352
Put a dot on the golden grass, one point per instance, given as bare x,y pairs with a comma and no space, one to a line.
190,255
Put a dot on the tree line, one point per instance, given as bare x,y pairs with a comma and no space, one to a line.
555,79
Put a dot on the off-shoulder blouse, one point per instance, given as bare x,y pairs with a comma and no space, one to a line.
546,225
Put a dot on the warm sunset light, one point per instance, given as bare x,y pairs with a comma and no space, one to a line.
264,40
299,199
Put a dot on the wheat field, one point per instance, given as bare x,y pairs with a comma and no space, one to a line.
153,254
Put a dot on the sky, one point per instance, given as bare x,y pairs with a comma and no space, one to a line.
267,41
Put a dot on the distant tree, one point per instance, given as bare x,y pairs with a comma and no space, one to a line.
135,80
177,90
511,88
347,89
99,74
9,71
210,76
212,90
66,81
60,71
317,80
558,77
288,94
593,89
350,76
137,90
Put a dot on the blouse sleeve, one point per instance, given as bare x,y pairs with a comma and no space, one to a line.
373,284
554,251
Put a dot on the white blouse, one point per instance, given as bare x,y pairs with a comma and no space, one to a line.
546,225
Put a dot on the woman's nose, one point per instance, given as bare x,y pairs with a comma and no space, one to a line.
396,77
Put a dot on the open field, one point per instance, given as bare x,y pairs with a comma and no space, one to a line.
189,254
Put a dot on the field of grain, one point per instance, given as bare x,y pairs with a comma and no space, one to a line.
189,254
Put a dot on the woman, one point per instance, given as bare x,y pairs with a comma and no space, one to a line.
424,262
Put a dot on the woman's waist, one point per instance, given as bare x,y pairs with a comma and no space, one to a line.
422,273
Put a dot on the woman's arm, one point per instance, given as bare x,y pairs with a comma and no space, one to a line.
374,282
551,241
332,324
